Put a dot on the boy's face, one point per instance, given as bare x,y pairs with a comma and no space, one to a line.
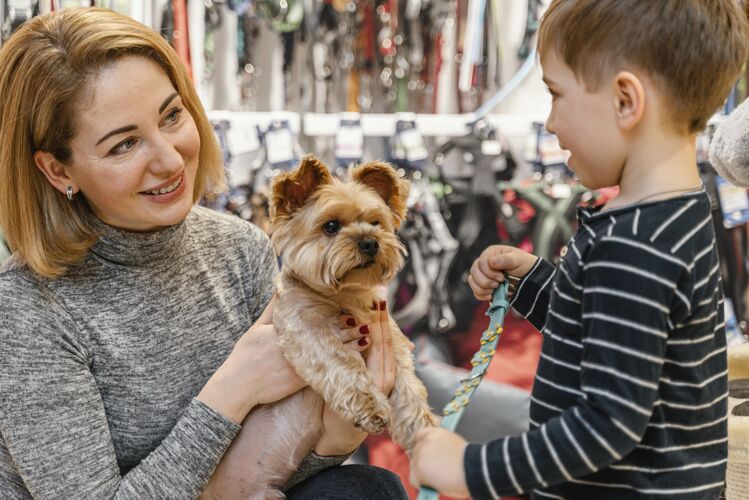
585,123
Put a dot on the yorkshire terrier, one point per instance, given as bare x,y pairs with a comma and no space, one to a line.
338,245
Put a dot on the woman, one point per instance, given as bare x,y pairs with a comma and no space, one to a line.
126,363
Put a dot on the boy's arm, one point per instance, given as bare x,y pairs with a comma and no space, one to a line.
533,291
625,310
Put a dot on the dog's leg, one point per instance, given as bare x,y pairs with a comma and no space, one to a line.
273,441
338,374
411,412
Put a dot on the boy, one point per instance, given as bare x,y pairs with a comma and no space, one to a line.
630,395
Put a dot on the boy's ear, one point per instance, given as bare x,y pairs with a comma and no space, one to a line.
291,190
629,99
383,178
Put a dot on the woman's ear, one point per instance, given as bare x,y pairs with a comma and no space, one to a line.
55,171
629,100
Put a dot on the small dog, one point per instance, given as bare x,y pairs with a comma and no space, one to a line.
338,245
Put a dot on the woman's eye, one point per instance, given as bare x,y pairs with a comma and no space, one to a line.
123,147
332,227
173,116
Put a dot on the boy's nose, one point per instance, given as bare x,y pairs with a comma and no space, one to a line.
550,124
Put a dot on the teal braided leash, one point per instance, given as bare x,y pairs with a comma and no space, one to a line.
454,409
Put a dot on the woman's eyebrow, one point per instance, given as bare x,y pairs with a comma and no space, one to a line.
167,101
128,128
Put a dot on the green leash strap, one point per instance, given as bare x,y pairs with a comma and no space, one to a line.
454,409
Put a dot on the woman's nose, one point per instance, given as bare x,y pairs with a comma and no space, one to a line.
166,157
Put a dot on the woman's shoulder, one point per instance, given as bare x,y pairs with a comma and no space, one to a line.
24,294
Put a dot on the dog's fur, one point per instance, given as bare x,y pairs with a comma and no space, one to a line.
323,276
729,149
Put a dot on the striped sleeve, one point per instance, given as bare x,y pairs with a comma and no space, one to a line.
532,296
626,304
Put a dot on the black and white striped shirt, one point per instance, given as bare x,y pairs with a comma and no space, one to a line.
630,396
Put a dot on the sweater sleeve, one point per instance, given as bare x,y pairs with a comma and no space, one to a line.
53,421
623,350
262,268
533,292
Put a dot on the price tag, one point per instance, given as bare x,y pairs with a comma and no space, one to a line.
397,151
242,140
734,203
491,148
279,146
349,143
549,151
561,190
413,144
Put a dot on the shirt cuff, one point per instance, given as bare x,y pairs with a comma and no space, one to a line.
531,285
209,429
483,476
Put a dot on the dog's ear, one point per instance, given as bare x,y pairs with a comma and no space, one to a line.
292,190
383,178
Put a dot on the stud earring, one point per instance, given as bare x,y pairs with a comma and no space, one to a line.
70,193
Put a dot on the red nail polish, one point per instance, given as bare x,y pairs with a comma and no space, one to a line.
363,342
364,329
351,322
374,306
383,305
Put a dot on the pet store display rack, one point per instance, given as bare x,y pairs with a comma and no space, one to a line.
378,125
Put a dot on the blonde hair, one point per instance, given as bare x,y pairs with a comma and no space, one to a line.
693,50
45,68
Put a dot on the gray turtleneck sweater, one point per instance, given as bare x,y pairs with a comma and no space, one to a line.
99,369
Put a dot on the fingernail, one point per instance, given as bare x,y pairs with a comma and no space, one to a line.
351,322
383,305
364,329
362,342
374,306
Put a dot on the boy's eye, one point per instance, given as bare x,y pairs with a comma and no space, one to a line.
332,227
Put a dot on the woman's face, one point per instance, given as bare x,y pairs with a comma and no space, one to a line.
135,153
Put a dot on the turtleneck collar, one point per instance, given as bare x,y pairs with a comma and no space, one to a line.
134,249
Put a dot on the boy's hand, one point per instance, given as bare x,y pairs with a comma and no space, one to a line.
437,462
488,271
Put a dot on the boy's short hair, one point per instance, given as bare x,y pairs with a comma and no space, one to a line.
693,50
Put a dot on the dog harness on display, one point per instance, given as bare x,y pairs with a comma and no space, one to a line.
454,409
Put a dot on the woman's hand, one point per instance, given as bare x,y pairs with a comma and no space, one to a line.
340,437
256,372
488,271
437,462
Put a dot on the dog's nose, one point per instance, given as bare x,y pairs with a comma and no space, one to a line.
369,247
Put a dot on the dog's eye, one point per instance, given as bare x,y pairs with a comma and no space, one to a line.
376,223
332,227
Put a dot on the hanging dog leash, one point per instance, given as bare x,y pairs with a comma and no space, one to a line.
454,409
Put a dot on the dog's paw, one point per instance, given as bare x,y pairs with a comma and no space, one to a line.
374,423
